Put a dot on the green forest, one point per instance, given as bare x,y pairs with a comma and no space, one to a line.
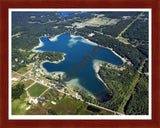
21,58
138,102
17,90
121,87
50,56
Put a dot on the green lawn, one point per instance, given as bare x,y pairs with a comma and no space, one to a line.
22,70
36,90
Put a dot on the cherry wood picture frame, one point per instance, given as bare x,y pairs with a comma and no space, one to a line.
4,63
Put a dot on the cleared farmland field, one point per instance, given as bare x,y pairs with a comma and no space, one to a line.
36,90
27,82
22,70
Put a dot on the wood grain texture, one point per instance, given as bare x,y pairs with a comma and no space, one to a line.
6,4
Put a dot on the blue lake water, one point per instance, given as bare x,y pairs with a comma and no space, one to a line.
79,60
64,13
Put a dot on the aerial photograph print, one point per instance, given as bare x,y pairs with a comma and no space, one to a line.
79,63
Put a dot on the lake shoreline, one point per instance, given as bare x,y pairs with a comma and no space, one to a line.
96,65
91,42
55,62
55,38
46,72
74,36
41,44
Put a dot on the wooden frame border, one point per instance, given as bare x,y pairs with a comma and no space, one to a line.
6,4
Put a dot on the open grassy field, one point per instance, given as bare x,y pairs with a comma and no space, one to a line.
31,55
122,39
37,110
22,70
70,106
97,21
17,35
16,75
113,21
21,50
30,66
27,82
66,105
36,90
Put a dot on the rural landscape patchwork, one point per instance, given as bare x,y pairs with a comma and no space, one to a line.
79,63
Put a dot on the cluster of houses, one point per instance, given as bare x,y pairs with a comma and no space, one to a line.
42,99
119,68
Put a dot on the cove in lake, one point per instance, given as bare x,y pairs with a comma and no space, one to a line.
76,48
